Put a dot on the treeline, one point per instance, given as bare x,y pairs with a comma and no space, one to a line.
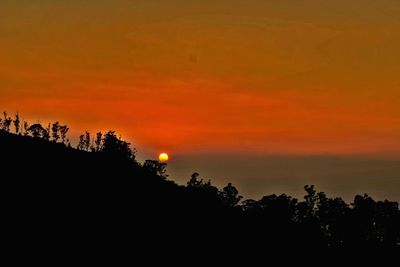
332,221
280,219
51,132
56,132
108,143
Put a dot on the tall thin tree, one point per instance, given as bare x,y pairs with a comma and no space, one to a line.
98,142
63,132
17,123
55,131
81,144
87,141
25,128
6,122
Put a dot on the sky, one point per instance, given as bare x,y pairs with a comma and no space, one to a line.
206,78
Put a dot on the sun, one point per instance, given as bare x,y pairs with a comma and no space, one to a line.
163,157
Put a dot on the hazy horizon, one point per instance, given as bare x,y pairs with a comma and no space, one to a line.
200,79
257,176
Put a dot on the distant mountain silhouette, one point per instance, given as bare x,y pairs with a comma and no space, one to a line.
99,196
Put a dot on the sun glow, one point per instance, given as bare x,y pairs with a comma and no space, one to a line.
163,157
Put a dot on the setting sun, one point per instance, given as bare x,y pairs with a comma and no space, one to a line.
163,157
282,119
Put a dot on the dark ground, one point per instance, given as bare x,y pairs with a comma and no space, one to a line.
65,202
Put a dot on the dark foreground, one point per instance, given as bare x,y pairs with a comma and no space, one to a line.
63,201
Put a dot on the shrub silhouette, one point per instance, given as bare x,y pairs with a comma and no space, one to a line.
37,130
17,122
6,122
116,147
55,131
230,195
63,132
106,196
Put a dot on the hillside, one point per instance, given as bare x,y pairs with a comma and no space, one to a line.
59,193
52,188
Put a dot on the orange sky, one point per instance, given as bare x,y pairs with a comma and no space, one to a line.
209,76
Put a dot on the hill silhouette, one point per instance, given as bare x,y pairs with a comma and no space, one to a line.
98,194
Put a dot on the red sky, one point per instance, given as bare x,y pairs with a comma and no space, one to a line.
204,77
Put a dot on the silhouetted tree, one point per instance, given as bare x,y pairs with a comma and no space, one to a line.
17,123
306,209
36,130
87,141
331,214
116,147
251,206
280,208
311,197
194,182
206,188
63,132
46,134
156,167
211,190
81,144
25,128
55,129
387,222
98,142
362,217
6,122
230,195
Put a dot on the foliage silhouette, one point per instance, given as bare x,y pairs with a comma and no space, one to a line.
106,195
55,131
37,131
98,142
230,195
63,132
156,167
115,146
25,128
81,144
6,122
17,122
